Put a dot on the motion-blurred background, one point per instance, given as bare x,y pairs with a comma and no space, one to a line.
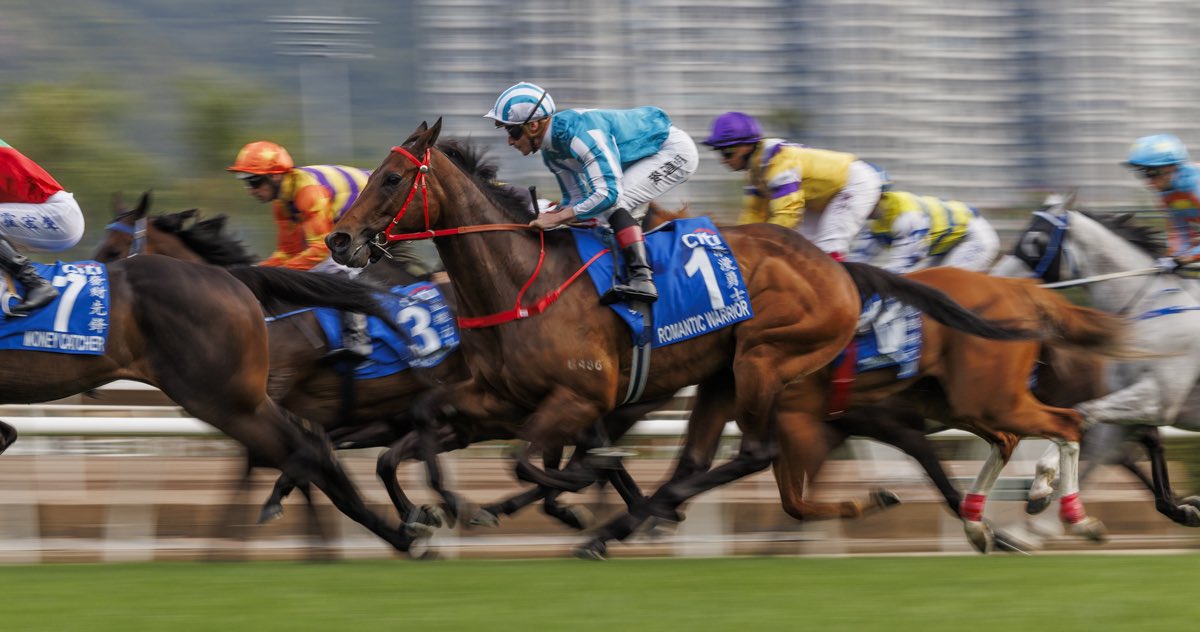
994,102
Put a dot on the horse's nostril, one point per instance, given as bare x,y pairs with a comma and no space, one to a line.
338,242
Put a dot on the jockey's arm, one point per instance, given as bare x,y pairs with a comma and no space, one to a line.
315,222
785,196
601,175
910,242
754,207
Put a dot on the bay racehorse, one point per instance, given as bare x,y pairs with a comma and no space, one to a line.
552,365
960,380
1114,258
357,413
196,332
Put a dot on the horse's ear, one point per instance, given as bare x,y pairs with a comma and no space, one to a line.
143,206
416,133
189,214
434,132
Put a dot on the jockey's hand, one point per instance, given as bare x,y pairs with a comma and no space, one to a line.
550,219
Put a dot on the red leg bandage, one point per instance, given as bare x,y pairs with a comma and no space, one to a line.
972,507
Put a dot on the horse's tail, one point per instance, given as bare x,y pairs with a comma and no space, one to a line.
1084,328
933,302
275,286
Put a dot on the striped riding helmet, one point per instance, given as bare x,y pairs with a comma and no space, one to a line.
520,104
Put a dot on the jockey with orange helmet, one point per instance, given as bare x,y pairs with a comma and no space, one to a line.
826,195
35,212
609,165
306,202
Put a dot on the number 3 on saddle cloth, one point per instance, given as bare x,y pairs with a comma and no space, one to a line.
75,322
421,311
700,287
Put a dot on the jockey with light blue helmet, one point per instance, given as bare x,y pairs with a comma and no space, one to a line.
608,163
1163,161
825,195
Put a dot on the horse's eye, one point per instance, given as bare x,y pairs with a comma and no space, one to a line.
392,179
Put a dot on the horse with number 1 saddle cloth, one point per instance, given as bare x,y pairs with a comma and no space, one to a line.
76,322
700,285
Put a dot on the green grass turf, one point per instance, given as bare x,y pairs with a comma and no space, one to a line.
1013,594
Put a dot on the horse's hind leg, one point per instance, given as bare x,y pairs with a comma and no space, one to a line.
904,429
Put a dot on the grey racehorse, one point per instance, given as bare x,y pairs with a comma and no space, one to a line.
1119,260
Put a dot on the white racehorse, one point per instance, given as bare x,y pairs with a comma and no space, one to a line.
1117,261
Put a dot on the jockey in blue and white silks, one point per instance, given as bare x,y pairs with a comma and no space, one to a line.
908,232
1163,161
608,163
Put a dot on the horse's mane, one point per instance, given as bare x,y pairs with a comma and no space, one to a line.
1146,239
207,237
473,161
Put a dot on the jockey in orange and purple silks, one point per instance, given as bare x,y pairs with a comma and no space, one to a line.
1163,161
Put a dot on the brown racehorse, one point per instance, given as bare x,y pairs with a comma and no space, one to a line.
551,375
196,332
962,381
355,413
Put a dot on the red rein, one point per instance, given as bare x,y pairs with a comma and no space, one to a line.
474,322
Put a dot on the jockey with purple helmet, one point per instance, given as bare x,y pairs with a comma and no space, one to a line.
1163,161
826,195
609,165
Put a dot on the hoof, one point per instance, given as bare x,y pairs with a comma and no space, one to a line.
657,528
595,551
884,498
273,511
980,535
1189,515
421,550
417,530
1035,506
1193,501
429,515
484,518
1089,528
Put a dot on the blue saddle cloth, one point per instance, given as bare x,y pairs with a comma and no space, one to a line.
75,322
893,339
421,311
700,287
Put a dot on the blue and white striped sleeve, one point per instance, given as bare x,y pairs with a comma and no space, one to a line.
601,164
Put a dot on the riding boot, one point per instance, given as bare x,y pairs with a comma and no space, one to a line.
356,342
640,284
38,291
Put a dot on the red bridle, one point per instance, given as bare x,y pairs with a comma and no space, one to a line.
473,322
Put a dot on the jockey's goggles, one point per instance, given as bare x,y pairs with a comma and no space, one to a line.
1150,172
255,181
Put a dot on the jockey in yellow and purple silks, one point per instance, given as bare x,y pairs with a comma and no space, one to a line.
1163,161
825,195
908,232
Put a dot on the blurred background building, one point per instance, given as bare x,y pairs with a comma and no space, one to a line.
995,102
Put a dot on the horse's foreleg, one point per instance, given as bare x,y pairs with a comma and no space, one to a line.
1187,513
971,509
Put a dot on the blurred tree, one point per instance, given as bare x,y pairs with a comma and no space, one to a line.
72,131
